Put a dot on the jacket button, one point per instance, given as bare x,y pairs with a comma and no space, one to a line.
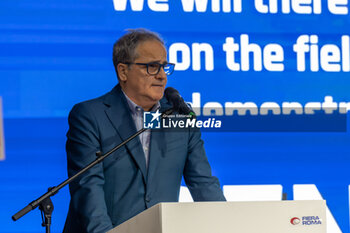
147,199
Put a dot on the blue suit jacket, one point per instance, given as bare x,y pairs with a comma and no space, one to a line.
121,187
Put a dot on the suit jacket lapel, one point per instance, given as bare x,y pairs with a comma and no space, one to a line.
121,119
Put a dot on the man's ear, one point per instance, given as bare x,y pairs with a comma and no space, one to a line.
123,71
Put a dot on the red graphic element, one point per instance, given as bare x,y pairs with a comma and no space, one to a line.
295,221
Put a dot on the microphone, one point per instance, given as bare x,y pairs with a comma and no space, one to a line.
179,105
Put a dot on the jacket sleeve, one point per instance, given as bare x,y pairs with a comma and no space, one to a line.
87,192
197,173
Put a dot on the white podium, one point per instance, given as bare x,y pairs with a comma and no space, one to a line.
227,217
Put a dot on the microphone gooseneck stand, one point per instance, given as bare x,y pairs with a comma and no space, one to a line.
44,202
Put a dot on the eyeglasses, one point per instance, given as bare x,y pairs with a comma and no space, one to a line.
153,68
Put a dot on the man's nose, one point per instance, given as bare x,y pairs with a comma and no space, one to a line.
161,74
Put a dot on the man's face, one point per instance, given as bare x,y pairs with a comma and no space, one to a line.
142,88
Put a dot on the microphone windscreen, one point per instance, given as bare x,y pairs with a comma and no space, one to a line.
174,97
171,94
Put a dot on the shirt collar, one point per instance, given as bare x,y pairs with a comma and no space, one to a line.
134,108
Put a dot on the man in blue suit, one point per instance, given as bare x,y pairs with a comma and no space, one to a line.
149,169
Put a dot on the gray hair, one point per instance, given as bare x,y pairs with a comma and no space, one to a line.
124,49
